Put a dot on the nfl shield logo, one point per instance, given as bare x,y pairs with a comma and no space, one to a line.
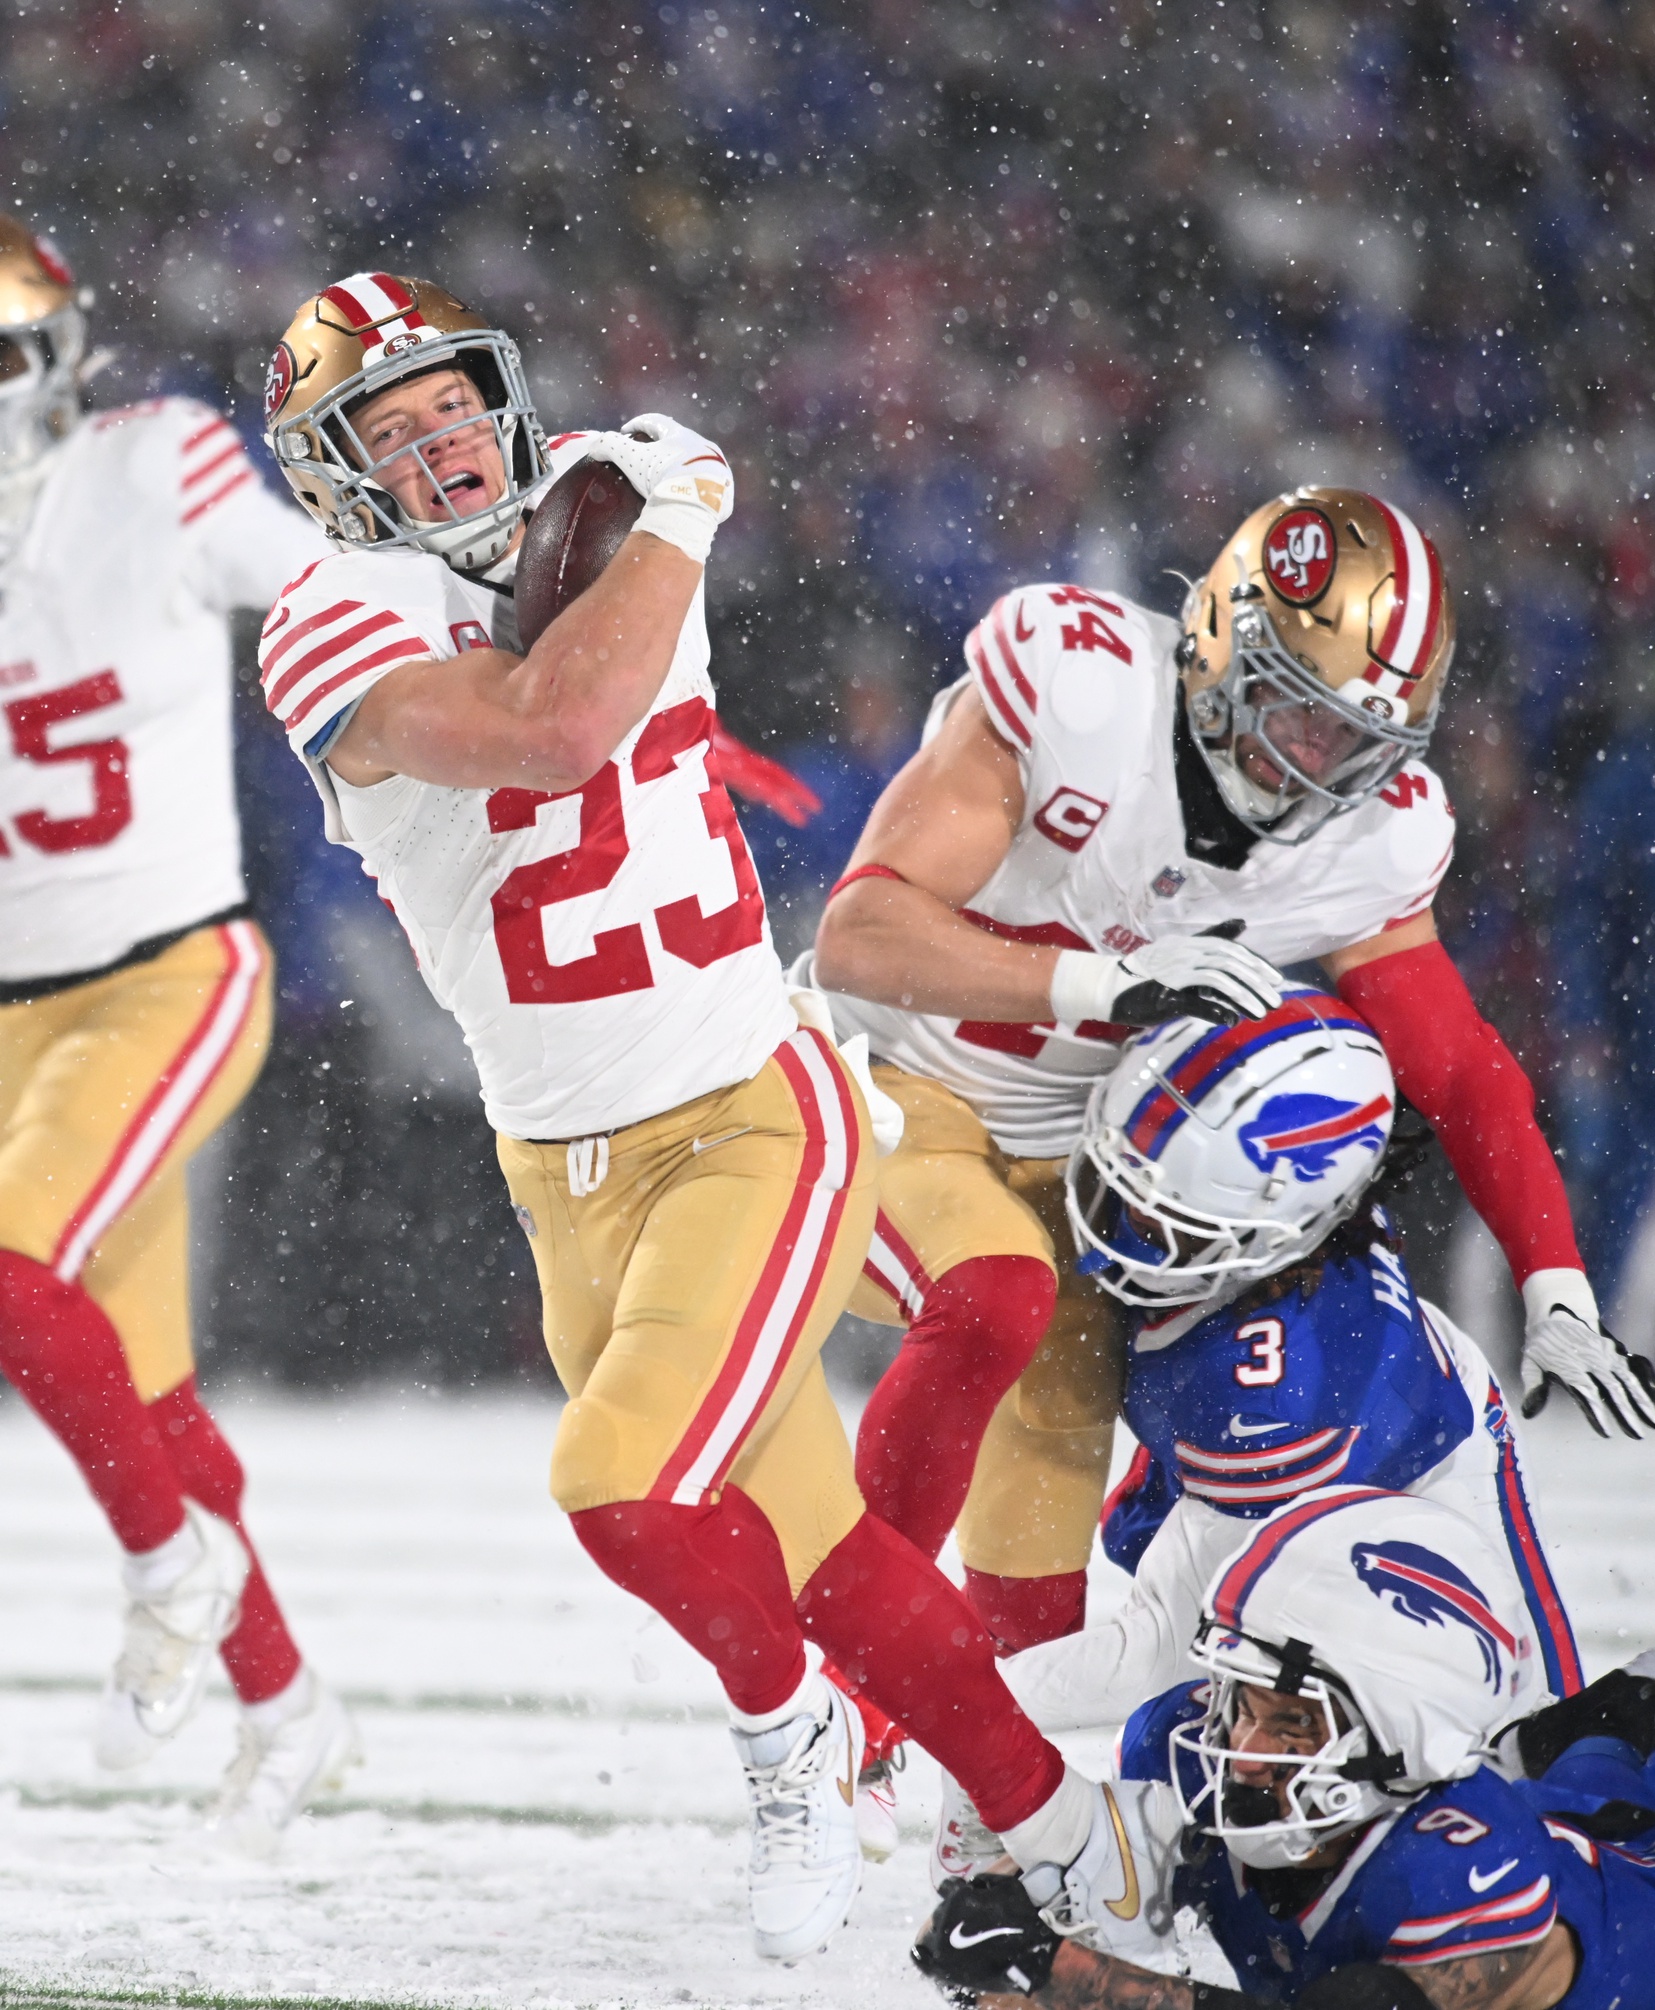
1167,882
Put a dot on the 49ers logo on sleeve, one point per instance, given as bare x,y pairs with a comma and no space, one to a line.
1068,817
1300,555
278,381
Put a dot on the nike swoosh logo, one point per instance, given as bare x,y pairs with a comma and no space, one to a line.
846,1786
1126,1906
1023,634
700,1145
1481,1880
959,1939
1240,1430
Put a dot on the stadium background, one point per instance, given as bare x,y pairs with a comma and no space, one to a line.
972,294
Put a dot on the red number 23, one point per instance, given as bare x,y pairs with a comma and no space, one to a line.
619,961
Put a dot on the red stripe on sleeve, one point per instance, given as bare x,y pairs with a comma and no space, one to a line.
405,651
308,626
219,495
207,467
326,651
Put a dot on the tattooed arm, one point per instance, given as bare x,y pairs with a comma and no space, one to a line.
1083,1980
1517,1978
1520,1978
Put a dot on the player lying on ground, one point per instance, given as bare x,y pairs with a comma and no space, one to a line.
1325,1801
1101,788
134,1006
693,1167
1224,1191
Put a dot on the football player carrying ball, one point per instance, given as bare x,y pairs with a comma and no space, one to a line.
693,1165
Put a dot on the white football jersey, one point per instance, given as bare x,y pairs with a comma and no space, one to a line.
1082,686
606,951
117,790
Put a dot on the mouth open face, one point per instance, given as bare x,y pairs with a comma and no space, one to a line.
416,439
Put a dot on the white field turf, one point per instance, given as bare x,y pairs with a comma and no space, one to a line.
550,1813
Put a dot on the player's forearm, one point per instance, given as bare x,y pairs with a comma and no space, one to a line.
899,945
1474,1093
1098,1676
599,666
1083,1980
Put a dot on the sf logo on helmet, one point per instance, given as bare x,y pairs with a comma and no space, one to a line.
1310,1132
278,381
1299,552
1427,1588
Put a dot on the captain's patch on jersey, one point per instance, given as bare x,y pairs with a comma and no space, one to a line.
1300,554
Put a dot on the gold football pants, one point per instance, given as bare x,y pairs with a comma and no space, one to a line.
948,1194
105,1091
690,1269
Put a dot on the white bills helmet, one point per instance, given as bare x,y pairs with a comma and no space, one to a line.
1216,1155
1401,1627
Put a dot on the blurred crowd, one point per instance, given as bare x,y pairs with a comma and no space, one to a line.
971,292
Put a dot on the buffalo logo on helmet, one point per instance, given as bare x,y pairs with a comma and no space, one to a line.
1300,554
1309,1132
1426,1588
278,380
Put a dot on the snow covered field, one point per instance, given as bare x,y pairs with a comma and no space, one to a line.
549,1813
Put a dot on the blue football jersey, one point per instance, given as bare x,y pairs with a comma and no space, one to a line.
1471,1867
1246,1409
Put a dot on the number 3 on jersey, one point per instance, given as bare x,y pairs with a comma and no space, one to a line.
619,961
1265,1340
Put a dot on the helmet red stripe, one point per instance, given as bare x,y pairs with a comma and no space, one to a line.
1331,1127
1261,1552
1399,561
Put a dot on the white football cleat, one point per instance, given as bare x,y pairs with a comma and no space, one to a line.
1115,1892
876,1828
806,1864
963,1845
283,1761
172,1633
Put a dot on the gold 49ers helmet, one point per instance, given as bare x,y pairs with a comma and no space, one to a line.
1313,657
42,335
348,344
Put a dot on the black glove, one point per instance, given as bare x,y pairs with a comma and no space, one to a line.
985,1937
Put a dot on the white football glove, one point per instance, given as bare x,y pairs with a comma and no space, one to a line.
1194,976
685,480
885,1114
1564,1341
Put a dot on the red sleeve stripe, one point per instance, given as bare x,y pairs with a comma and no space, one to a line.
1511,1907
1011,725
207,467
1523,1933
218,495
1272,1487
327,650
406,649
337,612
280,610
1274,1455
1024,689
213,425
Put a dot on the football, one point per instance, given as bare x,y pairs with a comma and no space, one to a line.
577,528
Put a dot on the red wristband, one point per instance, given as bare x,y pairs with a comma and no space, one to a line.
865,872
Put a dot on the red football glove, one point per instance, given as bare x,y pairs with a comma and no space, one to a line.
761,780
